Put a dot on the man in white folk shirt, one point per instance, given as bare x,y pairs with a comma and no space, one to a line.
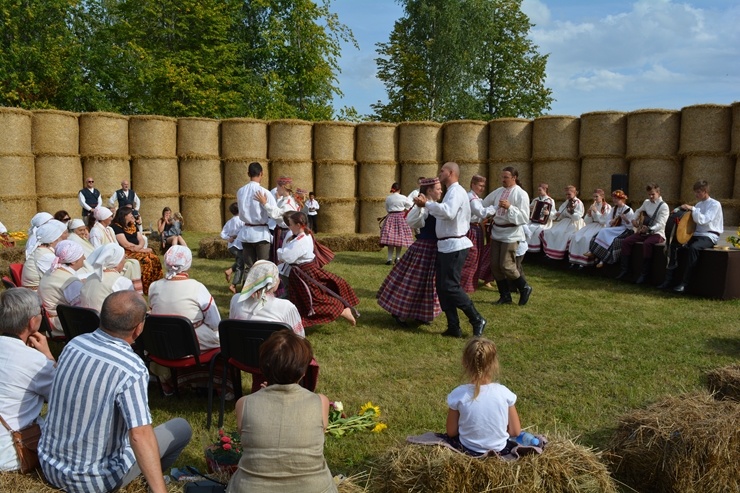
453,221
255,236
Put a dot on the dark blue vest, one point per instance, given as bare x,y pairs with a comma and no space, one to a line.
91,198
123,200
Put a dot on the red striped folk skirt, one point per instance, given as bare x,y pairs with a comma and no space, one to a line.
317,305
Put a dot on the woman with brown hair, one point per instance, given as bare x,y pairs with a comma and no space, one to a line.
129,237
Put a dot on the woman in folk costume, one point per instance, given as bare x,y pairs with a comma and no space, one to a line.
102,234
129,237
597,218
473,265
284,203
394,232
257,299
107,263
408,292
79,234
61,284
568,220
606,246
36,222
320,296
541,213
41,258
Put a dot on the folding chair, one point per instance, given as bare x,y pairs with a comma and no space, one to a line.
16,274
8,283
77,320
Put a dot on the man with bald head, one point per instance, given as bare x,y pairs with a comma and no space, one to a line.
125,196
453,221
89,197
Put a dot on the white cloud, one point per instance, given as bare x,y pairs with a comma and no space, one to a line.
537,12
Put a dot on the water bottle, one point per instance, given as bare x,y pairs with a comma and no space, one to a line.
527,440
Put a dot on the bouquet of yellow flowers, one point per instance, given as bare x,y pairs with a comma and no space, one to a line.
368,419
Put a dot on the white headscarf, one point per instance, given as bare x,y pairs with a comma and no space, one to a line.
177,259
262,277
74,224
50,232
102,213
3,229
36,222
106,257
67,252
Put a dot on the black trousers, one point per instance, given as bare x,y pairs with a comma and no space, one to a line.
449,270
693,247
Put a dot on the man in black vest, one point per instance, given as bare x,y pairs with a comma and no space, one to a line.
125,196
89,197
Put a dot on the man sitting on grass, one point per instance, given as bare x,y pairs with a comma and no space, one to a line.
98,434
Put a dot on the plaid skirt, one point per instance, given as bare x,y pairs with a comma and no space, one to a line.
408,291
395,231
486,274
471,267
319,305
609,255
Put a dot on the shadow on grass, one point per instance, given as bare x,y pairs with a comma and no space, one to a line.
728,346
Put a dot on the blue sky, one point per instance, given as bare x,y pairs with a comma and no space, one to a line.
604,54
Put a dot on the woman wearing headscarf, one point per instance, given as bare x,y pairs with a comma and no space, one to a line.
257,299
60,285
102,234
79,234
36,222
41,258
129,237
107,263
177,294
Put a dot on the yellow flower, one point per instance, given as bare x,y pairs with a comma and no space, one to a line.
379,427
368,406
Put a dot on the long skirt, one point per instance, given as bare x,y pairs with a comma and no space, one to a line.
320,296
556,240
151,267
609,253
532,232
408,291
580,244
471,267
395,231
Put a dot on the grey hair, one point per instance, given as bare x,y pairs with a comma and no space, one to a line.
122,311
17,307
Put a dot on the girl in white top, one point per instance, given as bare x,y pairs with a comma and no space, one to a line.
395,233
544,206
60,285
597,218
568,219
482,413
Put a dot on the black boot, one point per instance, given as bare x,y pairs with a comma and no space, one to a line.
504,293
525,290
453,324
624,267
668,281
476,319
645,274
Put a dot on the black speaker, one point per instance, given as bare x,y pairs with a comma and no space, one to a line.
620,181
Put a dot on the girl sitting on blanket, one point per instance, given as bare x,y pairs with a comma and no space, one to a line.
481,413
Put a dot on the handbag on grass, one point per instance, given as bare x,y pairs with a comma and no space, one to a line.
25,442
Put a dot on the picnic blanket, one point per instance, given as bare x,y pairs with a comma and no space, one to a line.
516,451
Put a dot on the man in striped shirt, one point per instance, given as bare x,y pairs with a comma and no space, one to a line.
98,434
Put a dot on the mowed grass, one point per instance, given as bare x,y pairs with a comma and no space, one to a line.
583,351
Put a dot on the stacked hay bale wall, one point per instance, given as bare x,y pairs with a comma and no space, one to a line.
378,169
419,152
510,144
17,176
155,176
289,150
555,153
243,141
336,179
652,151
602,145
200,173
466,143
104,151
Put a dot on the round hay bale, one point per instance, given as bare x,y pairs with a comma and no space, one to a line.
735,132
338,216
352,243
201,194
152,136
371,208
236,175
465,141
244,139
410,174
653,134
679,444
157,183
69,203
213,247
15,132
470,169
300,171
202,214
718,170
108,173
335,180
17,176
725,382
376,142
103,135
665,172
376,179
603,134
197,138
55,133
289,140
596,172
16,210
705,129
555,138
419,143
730,213
510,140
557,174
525,174
563,466
58,180
334,141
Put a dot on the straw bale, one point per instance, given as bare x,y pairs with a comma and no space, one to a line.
300,171
596,172
15,131
213,247
108,173
17,211
525,174
555,138
338,216
653,134
510,140
470,168
244,139
736,187
719,171
724,382
152,136
17,176
69,203
371,208
352,243
376,142
55,133
335,180
12,255
201,213
665,172
603,134
563,466
679,444
200,176
735,132
58,174
103,135
157,183
334,141
730,213
557,174
705,128
197,138
419,142
465,141
376,179
236,175
410,174
289,140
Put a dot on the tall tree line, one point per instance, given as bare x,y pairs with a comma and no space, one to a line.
213,58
